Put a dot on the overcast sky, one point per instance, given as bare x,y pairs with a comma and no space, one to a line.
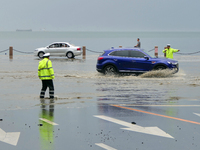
100,15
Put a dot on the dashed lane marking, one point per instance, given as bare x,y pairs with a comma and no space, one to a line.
105,146
184,120
47,121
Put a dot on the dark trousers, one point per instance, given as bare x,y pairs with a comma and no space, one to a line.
45,84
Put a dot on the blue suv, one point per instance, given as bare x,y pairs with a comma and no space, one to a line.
132,60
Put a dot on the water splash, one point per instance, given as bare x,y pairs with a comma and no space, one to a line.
158,74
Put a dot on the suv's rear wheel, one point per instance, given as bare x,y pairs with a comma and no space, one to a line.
110,69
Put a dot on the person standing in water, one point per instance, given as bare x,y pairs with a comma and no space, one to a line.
46,74
169,51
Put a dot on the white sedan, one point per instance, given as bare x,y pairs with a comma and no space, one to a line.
59,49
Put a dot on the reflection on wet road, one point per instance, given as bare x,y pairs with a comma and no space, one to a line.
46,129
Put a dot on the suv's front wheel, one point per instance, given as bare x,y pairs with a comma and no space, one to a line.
160,68
109,70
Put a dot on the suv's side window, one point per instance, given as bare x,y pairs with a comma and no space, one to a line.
136,54
122,53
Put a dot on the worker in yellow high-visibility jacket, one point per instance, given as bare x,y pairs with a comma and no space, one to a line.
46,74
169,51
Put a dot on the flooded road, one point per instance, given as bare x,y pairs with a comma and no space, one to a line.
156,110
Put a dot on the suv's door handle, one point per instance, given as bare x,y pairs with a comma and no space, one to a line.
115,59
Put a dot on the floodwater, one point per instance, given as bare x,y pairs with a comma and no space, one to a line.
82,92
79,78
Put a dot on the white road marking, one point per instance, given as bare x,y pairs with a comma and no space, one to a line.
50,122
9,137
132,127
105,146
197,114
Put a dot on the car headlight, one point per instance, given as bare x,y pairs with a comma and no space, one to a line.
172,63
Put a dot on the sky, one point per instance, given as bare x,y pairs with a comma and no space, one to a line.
100,15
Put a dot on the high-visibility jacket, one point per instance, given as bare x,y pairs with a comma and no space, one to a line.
45,70
169,52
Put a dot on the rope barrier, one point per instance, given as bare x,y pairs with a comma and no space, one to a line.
188,53
4,51
22,51
93,51
98,52
101,52
181,53
151,50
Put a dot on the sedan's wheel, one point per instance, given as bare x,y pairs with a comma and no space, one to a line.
70,55
110,69
40,54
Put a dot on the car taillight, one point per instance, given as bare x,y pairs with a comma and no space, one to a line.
100,58
78,49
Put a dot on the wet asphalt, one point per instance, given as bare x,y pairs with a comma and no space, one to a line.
72,120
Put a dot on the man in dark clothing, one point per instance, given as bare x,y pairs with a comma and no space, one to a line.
138,44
